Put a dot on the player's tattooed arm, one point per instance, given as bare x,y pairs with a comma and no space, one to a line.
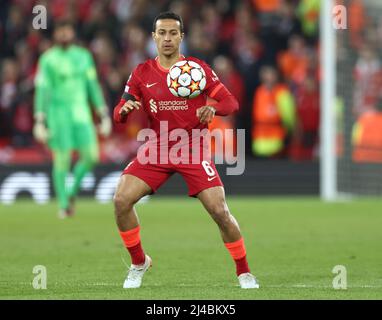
206,114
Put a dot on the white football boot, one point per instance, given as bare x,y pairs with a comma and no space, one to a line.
135,274
248,281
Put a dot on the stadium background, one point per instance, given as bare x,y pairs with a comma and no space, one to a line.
296,242
236,38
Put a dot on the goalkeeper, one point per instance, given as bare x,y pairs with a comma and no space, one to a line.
65,82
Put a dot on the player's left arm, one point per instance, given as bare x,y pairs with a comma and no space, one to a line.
96,97
225,104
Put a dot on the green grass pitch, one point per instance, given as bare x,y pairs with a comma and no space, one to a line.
292,246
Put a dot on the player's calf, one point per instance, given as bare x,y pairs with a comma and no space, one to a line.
227,224
214,201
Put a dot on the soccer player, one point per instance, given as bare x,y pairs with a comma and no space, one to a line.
66,80
146,88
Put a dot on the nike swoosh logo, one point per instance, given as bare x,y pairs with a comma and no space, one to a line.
210,179
151,84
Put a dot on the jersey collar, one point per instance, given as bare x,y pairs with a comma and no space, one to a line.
181,57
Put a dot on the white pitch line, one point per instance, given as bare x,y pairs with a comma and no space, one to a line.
110,284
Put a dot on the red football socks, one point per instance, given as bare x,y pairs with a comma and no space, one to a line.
239,255
132,241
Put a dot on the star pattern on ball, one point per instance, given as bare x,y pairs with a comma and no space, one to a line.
186,68
186,79
175,84
194,86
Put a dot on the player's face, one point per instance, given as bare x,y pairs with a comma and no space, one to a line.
167,37
64,35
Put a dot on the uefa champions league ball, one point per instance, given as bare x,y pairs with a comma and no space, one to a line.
186,79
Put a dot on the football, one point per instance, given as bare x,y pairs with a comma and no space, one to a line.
186,79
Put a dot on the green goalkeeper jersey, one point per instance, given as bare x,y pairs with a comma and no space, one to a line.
66,84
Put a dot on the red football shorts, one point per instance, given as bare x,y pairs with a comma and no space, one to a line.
199,176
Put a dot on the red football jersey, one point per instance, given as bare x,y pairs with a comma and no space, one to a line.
148,84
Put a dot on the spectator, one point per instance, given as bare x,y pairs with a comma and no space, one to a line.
309,12
8,96
367,136
200,44
293,63
267,16
368,81
273,113
267,6
288,24
249,34
357,22
231,79
305,138
14,29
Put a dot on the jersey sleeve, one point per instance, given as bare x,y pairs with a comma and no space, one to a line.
226,103
132,92
213,84
94,88
132,87
43,87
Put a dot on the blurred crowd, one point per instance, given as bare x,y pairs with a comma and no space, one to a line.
264,51
359,96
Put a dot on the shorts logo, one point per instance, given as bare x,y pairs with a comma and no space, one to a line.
212,178
153,106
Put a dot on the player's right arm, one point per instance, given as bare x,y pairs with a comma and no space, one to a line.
43,91
130,99
124,107
225,102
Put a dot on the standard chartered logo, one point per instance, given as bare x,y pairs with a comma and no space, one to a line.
153,106
168,105
173,105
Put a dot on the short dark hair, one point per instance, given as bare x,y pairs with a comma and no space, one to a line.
63,23
168,15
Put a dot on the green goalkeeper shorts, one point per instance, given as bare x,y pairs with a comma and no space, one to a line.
72,136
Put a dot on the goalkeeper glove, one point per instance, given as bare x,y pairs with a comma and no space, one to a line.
40,131
105,125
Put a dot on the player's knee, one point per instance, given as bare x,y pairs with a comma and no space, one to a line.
123,202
